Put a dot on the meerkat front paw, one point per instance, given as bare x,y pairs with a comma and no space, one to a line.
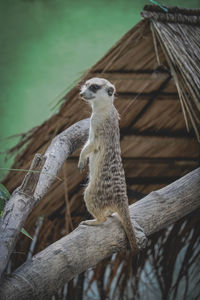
92,222
82,164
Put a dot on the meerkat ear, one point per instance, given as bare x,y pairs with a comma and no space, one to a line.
110,91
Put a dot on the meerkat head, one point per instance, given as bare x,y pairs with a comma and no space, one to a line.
98,92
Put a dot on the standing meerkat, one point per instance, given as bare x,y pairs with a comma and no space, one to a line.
106,190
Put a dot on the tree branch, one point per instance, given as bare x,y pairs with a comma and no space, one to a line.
35,186
50,269
16,211
61,147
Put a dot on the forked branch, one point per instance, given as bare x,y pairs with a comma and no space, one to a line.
36,184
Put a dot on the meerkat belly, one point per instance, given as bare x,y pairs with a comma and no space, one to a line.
106,181
95,165
93,195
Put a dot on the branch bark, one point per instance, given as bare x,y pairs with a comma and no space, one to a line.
50,269
35,186
17,210
61,147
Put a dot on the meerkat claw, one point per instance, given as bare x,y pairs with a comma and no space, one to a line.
83,223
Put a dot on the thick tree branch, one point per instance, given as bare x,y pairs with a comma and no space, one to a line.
35,186
61,147
16,211
86,246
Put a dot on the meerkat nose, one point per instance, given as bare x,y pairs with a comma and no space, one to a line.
81,94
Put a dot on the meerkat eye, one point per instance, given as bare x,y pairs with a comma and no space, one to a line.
94,88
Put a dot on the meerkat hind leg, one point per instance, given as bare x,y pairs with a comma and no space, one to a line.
94,222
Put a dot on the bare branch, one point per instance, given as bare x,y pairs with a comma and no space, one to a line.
35,185
16,211
61,147
50,269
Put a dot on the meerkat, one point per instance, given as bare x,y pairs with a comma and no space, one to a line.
106,191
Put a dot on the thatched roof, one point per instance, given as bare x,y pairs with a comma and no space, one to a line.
155,68
178,32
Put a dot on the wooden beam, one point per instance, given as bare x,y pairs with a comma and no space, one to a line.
154,160
158,133
145,96
150,180
142,71
152,98
194,161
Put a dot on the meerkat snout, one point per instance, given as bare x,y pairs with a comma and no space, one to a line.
82,94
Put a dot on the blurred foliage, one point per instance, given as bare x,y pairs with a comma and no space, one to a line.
4,197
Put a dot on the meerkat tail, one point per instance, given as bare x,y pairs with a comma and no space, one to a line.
128,227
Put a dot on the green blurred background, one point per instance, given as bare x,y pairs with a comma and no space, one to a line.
45,45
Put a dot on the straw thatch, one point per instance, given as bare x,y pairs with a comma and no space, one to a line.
155,68
178,32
